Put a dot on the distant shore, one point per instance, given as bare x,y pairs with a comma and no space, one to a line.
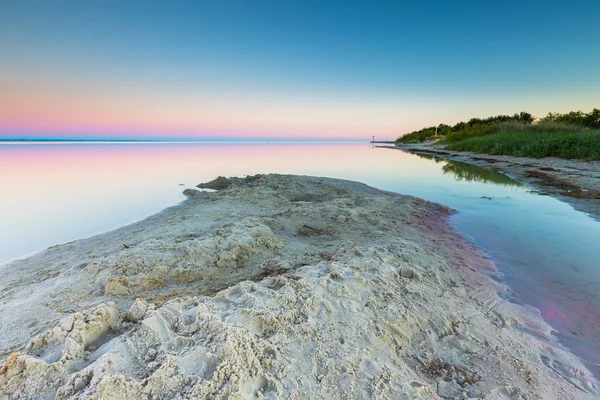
575,182
276,286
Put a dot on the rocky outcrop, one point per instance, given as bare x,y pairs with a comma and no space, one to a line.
276,287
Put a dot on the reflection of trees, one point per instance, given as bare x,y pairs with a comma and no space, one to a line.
429,157
473,173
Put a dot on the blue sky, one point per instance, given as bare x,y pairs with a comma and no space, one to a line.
289,69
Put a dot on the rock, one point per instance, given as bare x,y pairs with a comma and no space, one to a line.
449,389
407,272
67,323
190,192
137,311
116,287
231,313
218,184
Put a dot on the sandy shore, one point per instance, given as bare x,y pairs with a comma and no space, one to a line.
277,287
572,181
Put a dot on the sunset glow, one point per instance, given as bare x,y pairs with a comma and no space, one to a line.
270,70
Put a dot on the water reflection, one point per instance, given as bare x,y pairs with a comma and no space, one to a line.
471,173
429,157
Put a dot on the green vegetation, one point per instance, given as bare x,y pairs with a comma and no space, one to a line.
589,120
570,135
462,130
541,140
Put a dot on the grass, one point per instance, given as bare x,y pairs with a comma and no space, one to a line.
546,139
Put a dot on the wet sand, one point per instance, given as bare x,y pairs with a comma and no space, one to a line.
276,286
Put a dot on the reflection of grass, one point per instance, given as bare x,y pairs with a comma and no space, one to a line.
473,173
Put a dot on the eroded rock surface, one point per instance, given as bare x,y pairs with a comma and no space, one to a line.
276,287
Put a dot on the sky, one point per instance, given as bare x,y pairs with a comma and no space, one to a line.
220,69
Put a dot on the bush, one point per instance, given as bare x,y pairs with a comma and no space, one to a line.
579,118
417,136
472,131
541,127
462,130
571,135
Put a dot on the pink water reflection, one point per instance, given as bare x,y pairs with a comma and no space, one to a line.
51,194
61,192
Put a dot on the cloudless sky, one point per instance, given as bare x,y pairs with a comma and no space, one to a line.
288,69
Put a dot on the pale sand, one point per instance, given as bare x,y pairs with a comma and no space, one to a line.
277,287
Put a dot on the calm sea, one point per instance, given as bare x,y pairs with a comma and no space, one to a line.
547,252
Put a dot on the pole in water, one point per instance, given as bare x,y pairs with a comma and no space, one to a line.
373,138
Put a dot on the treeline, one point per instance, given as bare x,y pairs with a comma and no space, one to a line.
486,126
588,120
461,130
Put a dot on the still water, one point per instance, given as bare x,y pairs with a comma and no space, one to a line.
547,252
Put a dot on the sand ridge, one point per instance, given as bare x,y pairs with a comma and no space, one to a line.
276,286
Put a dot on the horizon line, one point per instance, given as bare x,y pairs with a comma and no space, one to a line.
232,140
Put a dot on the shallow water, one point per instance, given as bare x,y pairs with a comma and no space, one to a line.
548,253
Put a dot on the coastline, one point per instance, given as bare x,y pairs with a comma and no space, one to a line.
276,286
574,182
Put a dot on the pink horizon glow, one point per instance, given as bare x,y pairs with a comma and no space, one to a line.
48,110
41,125
65,107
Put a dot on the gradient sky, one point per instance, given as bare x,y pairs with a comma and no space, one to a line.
288,69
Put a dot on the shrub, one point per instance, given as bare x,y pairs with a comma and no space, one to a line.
471,131
588,120
541,127
462,130
417,136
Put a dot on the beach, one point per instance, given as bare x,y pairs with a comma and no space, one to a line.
276,286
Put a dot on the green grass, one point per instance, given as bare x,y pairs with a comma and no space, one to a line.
546,139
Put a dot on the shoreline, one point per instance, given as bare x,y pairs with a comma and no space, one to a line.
276,285
574,182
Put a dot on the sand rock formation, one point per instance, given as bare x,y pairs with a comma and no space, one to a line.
276,287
